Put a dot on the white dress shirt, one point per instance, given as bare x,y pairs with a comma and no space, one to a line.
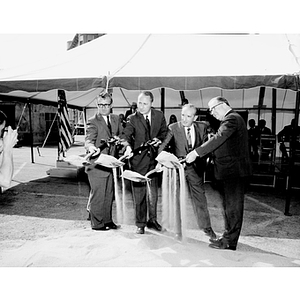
192,131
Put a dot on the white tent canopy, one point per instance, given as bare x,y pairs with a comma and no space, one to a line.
176,61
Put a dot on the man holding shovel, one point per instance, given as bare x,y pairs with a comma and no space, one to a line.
187,135
147,124
101,127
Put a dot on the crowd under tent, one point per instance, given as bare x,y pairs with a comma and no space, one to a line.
258,73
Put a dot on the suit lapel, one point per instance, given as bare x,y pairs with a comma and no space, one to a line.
198,140
143,121
153,123
103,124
182,136
114,124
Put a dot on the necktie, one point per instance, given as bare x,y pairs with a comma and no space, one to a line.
189,139
148,126
108,124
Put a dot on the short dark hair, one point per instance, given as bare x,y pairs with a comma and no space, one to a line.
104,95
262,122
251,122
3,117
148,94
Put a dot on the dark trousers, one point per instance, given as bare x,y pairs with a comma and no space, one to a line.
100,198
144,199
199,202
232,192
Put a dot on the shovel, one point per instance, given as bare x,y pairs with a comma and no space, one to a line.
169,160
80,161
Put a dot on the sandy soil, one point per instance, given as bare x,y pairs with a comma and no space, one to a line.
43,224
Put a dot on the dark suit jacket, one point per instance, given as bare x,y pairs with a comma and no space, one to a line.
136,133
176,135
96,130
128,113
229,147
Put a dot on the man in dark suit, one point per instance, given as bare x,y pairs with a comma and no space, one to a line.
253,135
232,166
285,136
263,143
130,111
102,126
185,136
145,125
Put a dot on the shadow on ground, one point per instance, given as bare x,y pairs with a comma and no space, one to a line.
47,197
66,199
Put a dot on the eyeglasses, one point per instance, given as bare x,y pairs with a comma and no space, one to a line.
212,108
104,105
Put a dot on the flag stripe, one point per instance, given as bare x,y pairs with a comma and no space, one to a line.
65,132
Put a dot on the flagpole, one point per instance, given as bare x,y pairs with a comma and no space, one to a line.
49,131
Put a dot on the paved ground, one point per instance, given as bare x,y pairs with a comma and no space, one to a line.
38,205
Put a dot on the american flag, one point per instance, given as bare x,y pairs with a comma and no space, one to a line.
64,128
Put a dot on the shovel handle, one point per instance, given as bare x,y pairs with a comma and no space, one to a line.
91,154
125,156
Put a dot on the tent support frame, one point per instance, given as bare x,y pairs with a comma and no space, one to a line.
291,171
31,131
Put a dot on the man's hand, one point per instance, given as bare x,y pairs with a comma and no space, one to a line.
128,152
191,157
92,149
10,138
155,142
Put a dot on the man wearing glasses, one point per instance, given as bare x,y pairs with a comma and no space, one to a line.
102,126
232,166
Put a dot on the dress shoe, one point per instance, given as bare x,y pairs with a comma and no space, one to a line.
221,244
140,230
112,225
222,247
154,225
104,228
209,232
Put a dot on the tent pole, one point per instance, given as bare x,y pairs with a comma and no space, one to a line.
291,171
31,132
274,98
49,131
162,100
84,119
261,97
182,96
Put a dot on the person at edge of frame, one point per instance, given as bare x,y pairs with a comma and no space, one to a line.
232,167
